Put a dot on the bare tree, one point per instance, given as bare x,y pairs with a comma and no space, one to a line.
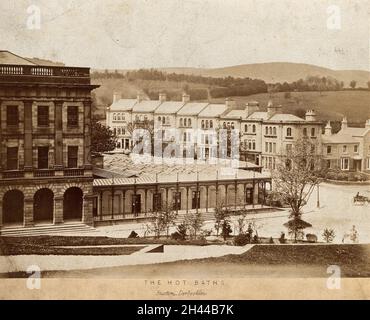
194,222
296,175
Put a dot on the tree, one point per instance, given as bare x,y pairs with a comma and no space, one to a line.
352,84
168,216
328,235
102,138
220,214
297,173
194,222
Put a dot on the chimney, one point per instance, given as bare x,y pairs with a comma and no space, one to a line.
367,124
229,103
344,123
310,115
185,98
162,97
251,107
139,97
328,131
116,96
272,110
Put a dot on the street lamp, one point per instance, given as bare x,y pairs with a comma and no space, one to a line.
318,195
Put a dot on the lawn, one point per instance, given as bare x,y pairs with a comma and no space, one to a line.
64,245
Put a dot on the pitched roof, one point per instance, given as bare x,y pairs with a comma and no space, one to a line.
7,57
169,107
123,105
192,108
235,114
213,110
285,117
258,115
146,106
347,135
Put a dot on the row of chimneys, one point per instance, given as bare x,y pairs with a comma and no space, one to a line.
162,97
250,107
344,125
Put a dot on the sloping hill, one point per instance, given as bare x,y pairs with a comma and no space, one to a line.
279,72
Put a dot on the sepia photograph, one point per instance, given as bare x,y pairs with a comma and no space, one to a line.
184,150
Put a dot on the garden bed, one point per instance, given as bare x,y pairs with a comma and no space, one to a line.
64,245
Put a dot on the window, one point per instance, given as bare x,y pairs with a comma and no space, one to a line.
119,116
12,158
43,157
114,116
368,163
288,132
305,132
157,202
344,164
42,116
266,147
289,148
344,149
355,148
189,122
274,147
160,119
185,122
202,124
72,156
72,116
254,128
313,132
328,149
254,145
12,116
207,124
274,131
266,131
181,122
246,128
211,124
270,131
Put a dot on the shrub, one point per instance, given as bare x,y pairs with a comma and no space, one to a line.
226,229
133,234
180,233
255,239
282,238
242,239
328,235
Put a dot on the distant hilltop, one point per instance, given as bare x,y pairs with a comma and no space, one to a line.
274,72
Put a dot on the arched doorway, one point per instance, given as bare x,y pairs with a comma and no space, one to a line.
72,204
13,207
43,205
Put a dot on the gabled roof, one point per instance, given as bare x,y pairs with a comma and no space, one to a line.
123,105
192,109
213,110
146,106
169,107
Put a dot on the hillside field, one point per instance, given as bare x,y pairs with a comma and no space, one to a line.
329,105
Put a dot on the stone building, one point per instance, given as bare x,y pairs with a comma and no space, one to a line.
348,149
45,165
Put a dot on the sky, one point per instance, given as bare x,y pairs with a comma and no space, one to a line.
131,34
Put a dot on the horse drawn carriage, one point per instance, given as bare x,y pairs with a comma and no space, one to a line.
360,199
